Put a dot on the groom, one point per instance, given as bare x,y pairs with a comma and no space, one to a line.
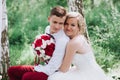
40,72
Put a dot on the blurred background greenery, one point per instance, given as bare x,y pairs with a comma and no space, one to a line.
28,18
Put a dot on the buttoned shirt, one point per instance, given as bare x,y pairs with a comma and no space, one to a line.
58,54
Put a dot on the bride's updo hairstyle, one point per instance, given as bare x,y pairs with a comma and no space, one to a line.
80,19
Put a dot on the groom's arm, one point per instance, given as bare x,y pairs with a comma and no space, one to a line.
56,60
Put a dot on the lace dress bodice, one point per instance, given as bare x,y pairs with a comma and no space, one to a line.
84,61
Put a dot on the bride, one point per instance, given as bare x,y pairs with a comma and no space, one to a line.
78,53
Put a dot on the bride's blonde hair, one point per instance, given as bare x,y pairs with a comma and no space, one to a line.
80,19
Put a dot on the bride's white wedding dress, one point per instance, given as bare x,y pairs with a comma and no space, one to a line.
85,68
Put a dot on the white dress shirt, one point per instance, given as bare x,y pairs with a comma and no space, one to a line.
58,54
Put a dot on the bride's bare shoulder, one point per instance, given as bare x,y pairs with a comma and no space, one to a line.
77,40
74,42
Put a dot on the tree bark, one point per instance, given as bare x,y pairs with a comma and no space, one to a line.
0,34
77,6
4,48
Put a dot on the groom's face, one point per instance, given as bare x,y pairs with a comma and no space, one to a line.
56,23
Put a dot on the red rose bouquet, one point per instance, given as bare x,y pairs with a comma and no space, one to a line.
43,46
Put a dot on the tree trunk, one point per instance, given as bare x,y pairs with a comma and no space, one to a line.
4,50
77,6
92,4
0,34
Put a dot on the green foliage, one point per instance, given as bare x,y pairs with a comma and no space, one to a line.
16,36
25,18
57,2
104,30
104,57
21,54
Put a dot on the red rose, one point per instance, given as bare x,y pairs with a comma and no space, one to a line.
45,37
49,49
38,43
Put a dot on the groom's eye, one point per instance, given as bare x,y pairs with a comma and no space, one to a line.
73,25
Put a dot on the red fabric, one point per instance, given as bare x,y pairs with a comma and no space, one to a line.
25,72
34,76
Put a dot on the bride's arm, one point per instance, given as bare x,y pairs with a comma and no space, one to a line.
70,51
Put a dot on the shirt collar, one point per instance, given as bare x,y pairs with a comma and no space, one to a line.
54,34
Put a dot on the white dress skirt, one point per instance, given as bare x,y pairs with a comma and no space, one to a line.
85,68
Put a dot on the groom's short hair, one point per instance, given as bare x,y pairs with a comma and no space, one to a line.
59,11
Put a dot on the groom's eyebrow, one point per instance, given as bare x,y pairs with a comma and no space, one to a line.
55,21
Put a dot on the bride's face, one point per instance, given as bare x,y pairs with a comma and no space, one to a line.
71,27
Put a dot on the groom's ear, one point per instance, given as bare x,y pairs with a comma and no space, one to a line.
48,18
